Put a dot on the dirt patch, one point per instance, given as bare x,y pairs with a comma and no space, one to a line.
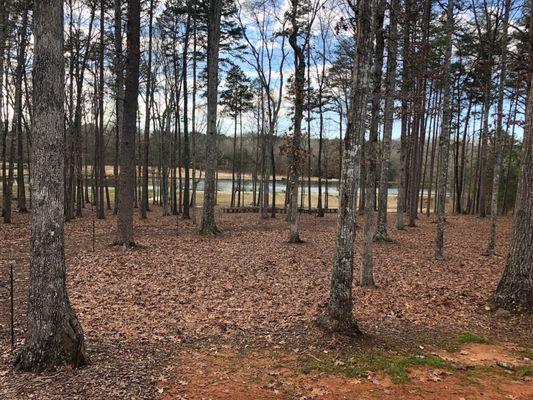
505,355
246,375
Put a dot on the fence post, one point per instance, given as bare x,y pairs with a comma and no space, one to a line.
12,307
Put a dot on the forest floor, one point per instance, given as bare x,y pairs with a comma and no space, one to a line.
232,316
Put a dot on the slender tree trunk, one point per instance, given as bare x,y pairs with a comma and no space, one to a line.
339,316
213,40
21,59
126,185
146,142
418,131
295,151
193,120
186,146
241,161
406,83
5,6
232,200
444,138
437,126
367,264
100,210
505,206
390,89
119,88
54,335
498,136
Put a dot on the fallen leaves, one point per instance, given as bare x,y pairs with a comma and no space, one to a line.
140,307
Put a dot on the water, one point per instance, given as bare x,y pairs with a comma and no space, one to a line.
224,185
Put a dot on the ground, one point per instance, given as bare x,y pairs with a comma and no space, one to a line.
233,316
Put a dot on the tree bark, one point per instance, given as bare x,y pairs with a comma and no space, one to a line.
515,290
295,150
54,335
119,88
100,211
367,264
127,137
213,41
444,138
20,71
388,115
146,141
339,316
186,148
406,84
498,136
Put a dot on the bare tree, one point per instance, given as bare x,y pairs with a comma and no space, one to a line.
213,42
127,136
54,335
498,136
367,264
146,142
444,137
339,316
390,89
515,290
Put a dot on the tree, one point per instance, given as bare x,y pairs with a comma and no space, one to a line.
515,290
146,142
405,90
99,149
444,137
390,88
127,136
54,335
339,316
119,90
213,41
236,99
270,51
498,135
367,264
299,34
21,61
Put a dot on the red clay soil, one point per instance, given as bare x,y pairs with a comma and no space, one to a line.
153,314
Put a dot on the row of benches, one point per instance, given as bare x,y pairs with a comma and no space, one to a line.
279,210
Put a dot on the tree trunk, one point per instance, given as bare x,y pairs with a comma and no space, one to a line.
295,151
127,137
54,336
20,71
146,142
444,138
392,49
186,147
100,211
367,264
119,88
498,136
406,84
339,316
213,41
515,290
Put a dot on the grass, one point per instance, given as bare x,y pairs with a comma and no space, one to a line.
397,367
524,370
469,337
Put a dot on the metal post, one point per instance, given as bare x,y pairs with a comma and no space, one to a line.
12,307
